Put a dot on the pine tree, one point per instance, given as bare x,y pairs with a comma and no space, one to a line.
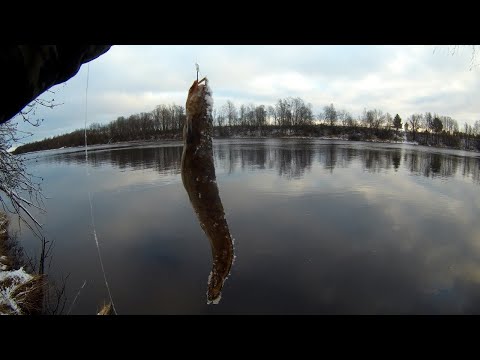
397,122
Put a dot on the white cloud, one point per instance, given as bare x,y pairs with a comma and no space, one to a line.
395,79
280,84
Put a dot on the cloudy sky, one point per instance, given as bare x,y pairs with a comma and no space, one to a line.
395,79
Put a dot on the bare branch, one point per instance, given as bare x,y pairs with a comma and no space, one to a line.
30,110
22,191
454,49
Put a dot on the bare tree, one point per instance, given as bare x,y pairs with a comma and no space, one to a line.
307,114
454,49
415,121
260,115
428,118
350,120
476,128
250,114
330,114
321,117
219,117
230,112
282,108
437,125
449,125
468,129
378,119
368,118
28,113
19,190
373,118
272,114
388,120
243,115
342,116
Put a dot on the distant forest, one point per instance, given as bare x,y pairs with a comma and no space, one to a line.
291,161
288,117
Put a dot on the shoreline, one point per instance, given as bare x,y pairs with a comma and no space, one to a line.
21,292
131,143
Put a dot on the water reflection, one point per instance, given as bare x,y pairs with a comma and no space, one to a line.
290,161
199,179
161,158
439,165
325,227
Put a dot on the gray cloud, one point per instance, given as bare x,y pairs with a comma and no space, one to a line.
395,79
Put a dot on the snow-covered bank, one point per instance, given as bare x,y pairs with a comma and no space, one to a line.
343,138
13,290
20,292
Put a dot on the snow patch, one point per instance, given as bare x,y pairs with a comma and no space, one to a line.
208,98
17,278
215,301
16,275
219,297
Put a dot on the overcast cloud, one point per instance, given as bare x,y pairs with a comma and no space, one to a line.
395,79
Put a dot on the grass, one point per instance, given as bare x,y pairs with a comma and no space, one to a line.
20,295
28,296
3,240
23,292
107,309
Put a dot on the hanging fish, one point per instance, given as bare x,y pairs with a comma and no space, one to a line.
199,180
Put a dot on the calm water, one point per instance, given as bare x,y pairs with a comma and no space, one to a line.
320,227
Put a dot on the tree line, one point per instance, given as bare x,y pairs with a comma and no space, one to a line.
291,161
288,116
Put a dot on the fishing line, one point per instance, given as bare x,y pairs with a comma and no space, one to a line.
76,296
90,197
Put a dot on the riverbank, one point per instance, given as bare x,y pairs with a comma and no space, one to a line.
21,292
444,140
